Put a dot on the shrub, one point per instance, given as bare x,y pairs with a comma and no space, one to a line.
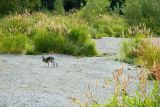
140,99
79,35
144,11
144,52
48,41
50,33
140,29
13,44
88,49
58,5
128,49
149,56
144,96
16,24
110,25
93,9
81,39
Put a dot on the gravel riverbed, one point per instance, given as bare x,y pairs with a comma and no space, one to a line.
25,81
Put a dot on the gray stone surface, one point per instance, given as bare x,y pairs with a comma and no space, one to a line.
27,82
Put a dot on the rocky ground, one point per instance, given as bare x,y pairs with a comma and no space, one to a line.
27,82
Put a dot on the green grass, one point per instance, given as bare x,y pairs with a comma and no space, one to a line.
144,52
150,100
13,44
45,33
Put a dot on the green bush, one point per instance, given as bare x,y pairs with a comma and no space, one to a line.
93,9
150,100
49,42
109,26
144,11
16,24
58,5
50,33
88,49
13,44
128,51
129,47
79,35
7,6
77,43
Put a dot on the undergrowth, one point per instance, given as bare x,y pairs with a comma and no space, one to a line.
44,33
142,49
143,97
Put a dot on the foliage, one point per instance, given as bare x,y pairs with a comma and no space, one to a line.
110,26
16,24
151,100
13,44
79,35
117,5
93,9
58,6
12,6
53,42
49,33
130,46
47,42
73,4
149,56
142,51
144,11
143,96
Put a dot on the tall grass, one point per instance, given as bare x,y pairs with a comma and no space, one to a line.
142,97
112,26
13,44
142,51
48,33
149,57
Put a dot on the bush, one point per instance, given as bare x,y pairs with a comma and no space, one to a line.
16,24
58,5
144,52
79,35
93,9
144,11
109,26
129,47
48,42
128,51
88,49
50,33
13,44
149,56
7,7
77,43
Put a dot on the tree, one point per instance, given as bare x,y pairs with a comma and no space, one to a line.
117,4
58,6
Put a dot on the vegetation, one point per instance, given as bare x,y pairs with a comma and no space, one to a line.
68,27
47,34
140,99
144,11
121,96
60,33
142,51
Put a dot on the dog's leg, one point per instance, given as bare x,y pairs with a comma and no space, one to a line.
56,63
53,63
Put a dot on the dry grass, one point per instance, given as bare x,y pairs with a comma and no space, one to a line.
122,97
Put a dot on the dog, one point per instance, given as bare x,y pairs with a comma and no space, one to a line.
48,60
